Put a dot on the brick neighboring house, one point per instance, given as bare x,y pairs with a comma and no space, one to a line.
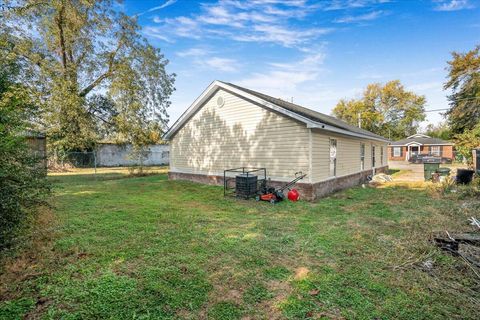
403,150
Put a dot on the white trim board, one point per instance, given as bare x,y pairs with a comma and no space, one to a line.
418,135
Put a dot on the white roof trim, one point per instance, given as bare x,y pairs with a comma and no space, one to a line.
427,144
418,135
414,143
217,84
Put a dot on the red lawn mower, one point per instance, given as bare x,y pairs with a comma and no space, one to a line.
273,195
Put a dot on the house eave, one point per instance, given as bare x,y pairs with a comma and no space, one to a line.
329,128
217,85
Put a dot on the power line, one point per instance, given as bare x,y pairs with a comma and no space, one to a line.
463,99
435,110
470,98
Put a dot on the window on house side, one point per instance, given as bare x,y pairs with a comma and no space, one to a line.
373,157
362,156
396,151
333,157
435,150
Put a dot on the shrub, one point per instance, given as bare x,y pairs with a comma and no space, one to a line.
443,187
23,185
449,187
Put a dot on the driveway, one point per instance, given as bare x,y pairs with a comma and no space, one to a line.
413,172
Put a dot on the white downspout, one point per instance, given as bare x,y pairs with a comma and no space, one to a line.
310,155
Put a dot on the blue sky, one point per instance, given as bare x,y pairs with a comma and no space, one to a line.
314,51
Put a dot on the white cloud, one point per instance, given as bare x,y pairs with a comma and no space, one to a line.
156,32
164,5
284,79
351,4
180,26
280,35
253,21
193,52
360,18
206,59
222,64
453,5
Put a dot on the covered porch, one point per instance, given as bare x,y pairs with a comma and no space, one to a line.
413,148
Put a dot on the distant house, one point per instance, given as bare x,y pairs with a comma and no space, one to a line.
419,144
229,126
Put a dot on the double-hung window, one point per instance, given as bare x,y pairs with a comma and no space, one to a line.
373,156
397,151
362,156
435,151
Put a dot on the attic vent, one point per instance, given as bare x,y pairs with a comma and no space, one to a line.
220,101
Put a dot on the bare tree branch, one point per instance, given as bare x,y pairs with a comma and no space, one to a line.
105,75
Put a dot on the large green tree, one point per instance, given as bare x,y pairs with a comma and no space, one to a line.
93,70
465,142
440,130
388,110
464,83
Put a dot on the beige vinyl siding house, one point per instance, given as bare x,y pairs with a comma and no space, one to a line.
239,134
229,127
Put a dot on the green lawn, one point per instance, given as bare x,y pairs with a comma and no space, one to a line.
149,248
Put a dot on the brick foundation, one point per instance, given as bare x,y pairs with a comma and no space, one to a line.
308,191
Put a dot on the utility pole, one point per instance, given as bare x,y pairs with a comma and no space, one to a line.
359,120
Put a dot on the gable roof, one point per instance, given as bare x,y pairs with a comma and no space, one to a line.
420,139
418,135
311,118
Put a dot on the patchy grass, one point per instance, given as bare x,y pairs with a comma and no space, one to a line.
149,248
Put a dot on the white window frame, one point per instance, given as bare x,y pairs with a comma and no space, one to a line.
333,144
362,156
435,151
381,155
374,156
397,151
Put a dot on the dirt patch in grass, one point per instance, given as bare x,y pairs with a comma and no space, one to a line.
301,273
281,290
224,293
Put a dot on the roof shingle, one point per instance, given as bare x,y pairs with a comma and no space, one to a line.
308,113
420,140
